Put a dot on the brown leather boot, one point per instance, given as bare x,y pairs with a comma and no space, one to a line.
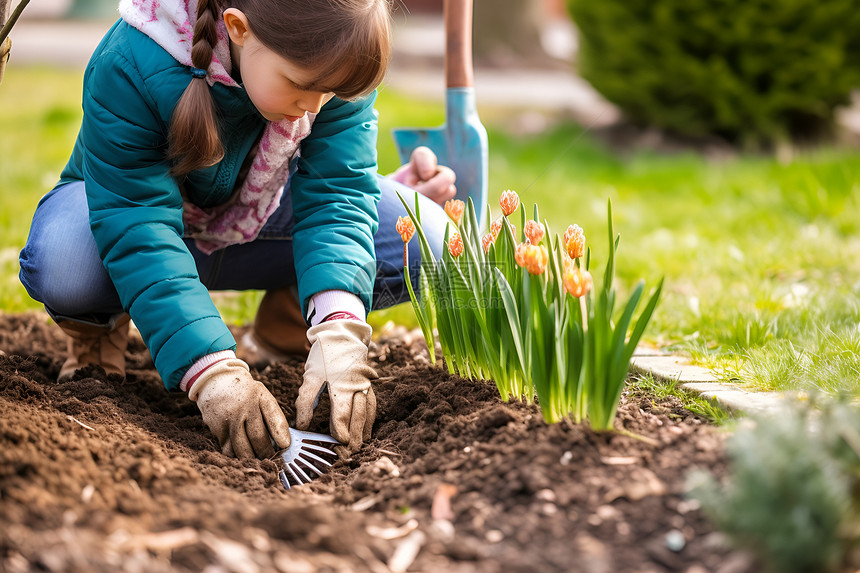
279,331
91,344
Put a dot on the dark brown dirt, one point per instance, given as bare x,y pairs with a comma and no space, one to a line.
99,474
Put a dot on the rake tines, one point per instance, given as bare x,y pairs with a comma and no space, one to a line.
307,458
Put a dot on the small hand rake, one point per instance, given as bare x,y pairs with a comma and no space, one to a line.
308,457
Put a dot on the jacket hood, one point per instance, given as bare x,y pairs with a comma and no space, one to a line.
170,23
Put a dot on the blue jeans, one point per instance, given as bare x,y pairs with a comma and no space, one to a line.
61,268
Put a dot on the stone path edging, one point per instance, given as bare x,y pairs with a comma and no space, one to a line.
700,380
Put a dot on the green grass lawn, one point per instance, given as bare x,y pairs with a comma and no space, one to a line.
760,258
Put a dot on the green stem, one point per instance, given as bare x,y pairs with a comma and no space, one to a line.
583,308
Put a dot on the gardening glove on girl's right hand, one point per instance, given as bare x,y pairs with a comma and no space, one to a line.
338,357
239,410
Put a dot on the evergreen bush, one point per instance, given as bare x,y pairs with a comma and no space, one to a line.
750,71
793,492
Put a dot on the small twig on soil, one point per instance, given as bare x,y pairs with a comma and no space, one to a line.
389,452
619,460
389,533
406,552
162,540
75,420
635,436
364,504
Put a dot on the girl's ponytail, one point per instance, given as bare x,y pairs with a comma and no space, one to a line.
193,139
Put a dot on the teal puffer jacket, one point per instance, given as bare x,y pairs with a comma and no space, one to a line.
131,86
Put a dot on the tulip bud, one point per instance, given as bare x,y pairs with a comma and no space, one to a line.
496,228
487,240
534,232
574,241
454,208
455,245
406,228
520,254
509,201
535,258
577,281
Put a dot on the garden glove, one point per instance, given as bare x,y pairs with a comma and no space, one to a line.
240,411
338,358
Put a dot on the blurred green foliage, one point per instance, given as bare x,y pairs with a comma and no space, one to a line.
751,71
792,493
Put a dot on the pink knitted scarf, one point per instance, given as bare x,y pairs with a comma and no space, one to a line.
170,23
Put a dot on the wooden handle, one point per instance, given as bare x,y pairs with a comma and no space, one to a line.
5,47
458,44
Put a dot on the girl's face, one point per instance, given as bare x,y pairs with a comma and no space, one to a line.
278,88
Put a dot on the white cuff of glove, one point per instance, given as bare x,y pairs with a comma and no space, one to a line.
328,302
202,364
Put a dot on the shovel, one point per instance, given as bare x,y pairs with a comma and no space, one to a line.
461,143
307,458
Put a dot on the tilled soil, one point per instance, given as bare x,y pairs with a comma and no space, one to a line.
99,474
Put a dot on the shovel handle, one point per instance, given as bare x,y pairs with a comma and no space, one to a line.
458,44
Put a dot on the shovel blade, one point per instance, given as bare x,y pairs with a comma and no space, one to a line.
461,144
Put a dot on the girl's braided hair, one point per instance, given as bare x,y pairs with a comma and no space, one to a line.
347,42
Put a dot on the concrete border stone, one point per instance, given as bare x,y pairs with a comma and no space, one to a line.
670,368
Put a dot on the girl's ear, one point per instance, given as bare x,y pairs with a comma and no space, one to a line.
237,25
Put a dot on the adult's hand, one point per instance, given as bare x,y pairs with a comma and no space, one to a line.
424,174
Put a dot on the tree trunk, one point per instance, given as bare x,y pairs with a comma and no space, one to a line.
509,31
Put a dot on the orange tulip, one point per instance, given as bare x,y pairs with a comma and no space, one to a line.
535,258
520,254
534,231
455,245
577,281
406,228
454,208
509,201
574,241
487,240
496,228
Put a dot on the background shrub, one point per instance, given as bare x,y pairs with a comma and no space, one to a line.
792,492
750,71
